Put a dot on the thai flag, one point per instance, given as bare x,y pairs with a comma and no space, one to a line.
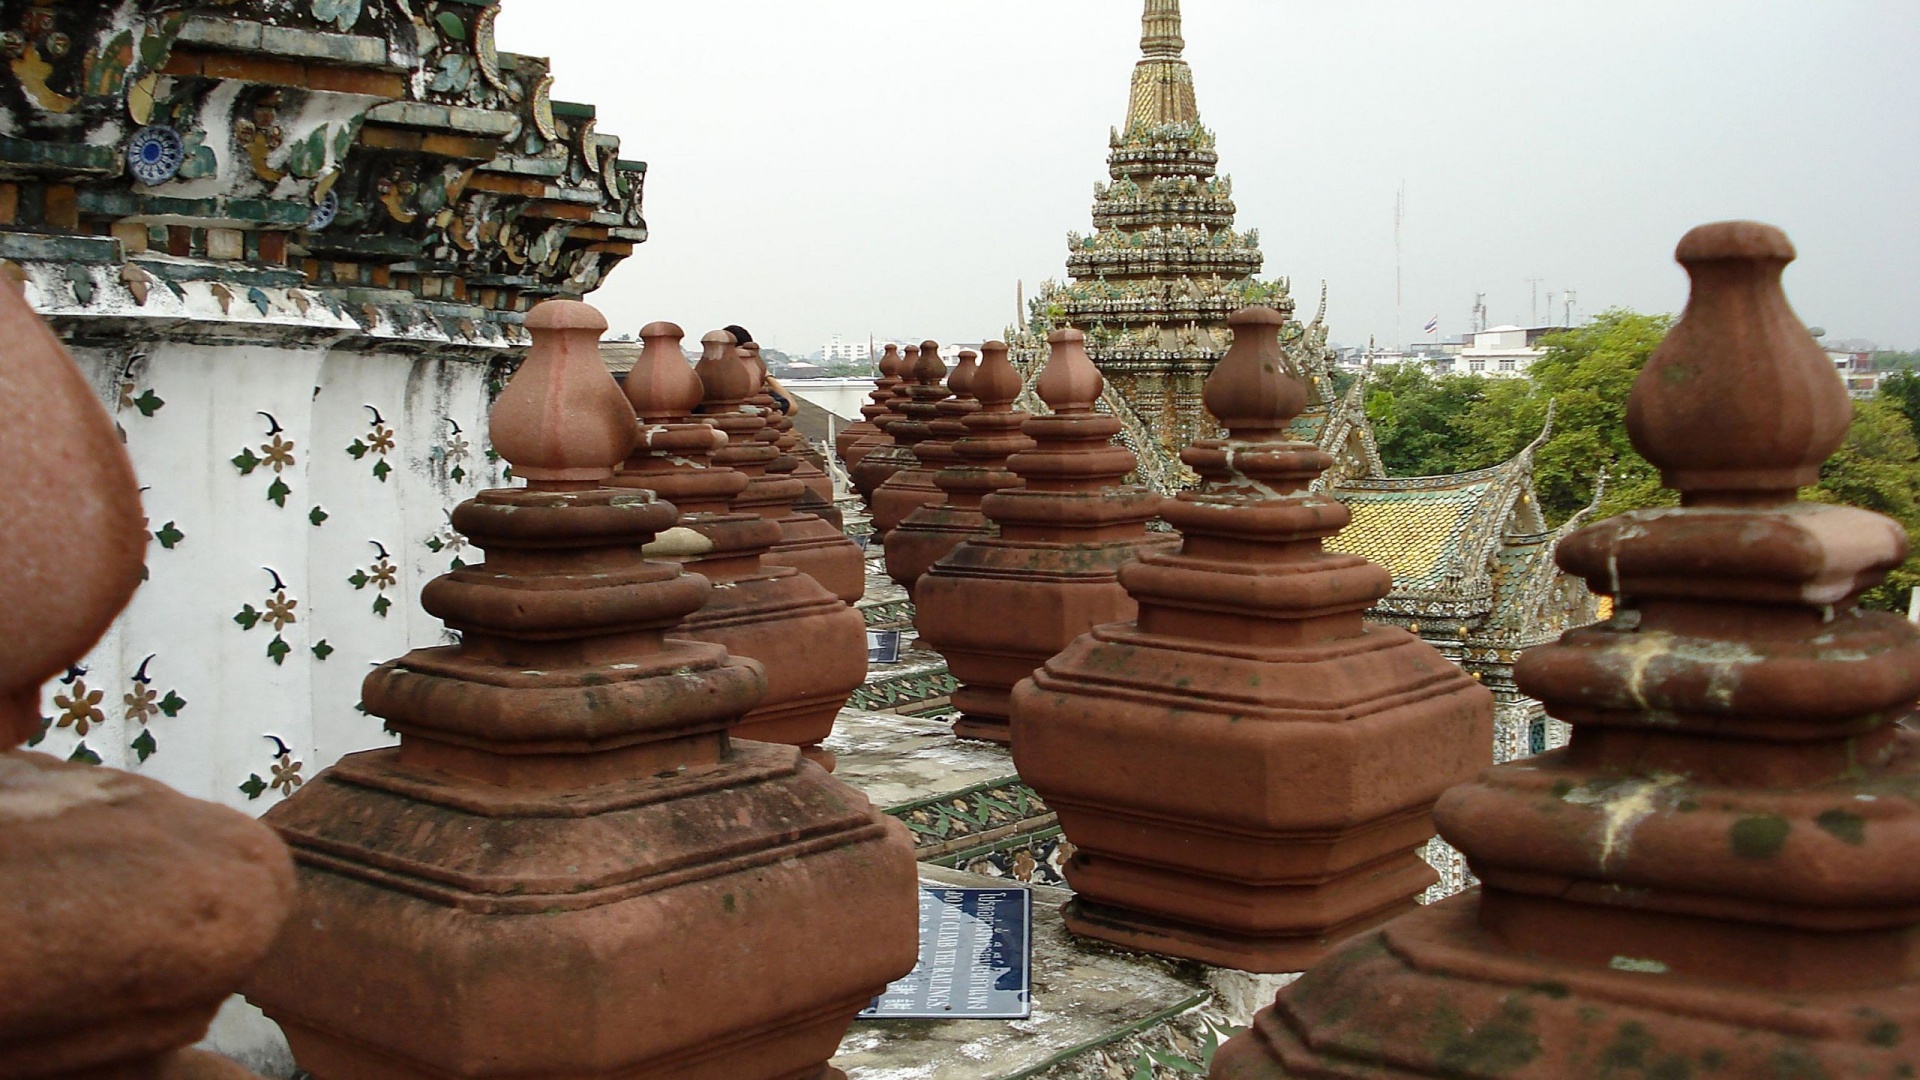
1433,325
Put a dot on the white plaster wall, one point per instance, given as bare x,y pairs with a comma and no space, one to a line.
239,707
233,543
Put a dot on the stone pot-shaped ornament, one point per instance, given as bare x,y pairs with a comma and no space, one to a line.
986,437
673,454
998,607
918,485
858,439
808,542
1720,875
1248,770
814,646
131,912
916,406
567,868
928,435
816,490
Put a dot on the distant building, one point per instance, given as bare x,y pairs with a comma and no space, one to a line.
840,351
1501,352
1857,371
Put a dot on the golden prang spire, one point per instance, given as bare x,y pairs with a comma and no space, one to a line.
1162,81
1160,31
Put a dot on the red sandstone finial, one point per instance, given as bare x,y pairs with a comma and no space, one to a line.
662,386
750,352
997,382
1070,383
961,381
1739,402
1251,391
562,419
725,377
930,369
890,363
70,524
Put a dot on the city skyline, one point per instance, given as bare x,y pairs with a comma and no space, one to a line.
904,169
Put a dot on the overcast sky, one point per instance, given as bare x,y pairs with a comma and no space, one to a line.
894,167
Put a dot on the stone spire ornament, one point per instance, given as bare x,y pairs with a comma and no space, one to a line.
857,440
131,911
567,868
812,645
673,455
1717,877
997,607
924,389
1295,750
809,542
912,488
987,436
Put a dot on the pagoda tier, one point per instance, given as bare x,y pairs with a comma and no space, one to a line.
1153,285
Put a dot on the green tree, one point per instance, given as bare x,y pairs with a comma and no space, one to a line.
1428,426
1896,361
1416,418
1878,469
1902,390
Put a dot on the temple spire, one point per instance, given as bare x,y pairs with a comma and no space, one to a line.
1160,31
1162,81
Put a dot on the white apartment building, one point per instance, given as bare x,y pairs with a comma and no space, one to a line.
837,350
1500,352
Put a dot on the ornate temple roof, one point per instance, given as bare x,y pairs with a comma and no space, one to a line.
237,166
1441,536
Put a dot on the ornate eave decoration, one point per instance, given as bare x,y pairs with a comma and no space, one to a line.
301,170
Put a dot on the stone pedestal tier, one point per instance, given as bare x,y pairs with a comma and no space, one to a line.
936,427
816,493
998,607
807,542
1720,875
568,868
812,646
858,439
1248,770
914,407
988,436
131,912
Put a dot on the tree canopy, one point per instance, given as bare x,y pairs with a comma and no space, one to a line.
1429,425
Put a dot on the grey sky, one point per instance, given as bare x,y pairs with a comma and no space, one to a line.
895,166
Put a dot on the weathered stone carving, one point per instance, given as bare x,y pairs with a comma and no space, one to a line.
921,390
910,489
809,542
813,645
859,439
131,911
997,607
1296,751
971,466
1717,877
560,869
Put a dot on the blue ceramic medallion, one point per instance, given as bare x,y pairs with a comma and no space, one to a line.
324,212
155,154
